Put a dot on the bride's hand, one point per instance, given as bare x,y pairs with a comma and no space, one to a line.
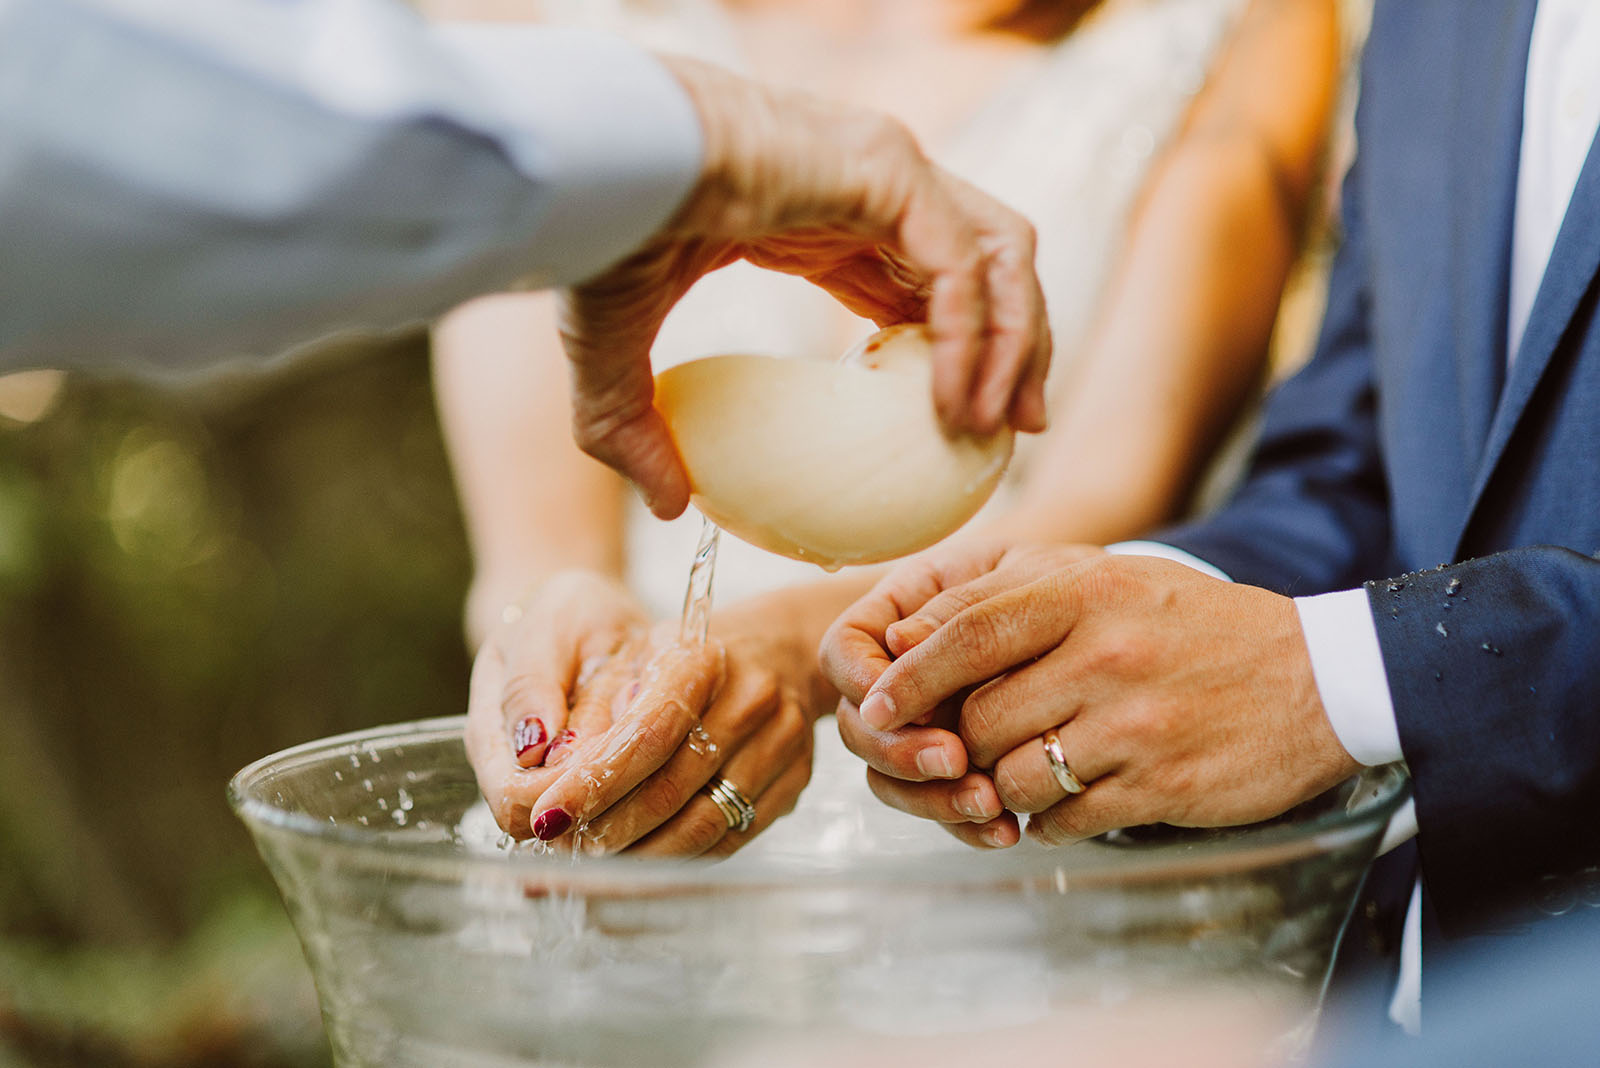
577,636
721,710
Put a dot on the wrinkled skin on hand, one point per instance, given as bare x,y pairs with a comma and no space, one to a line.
842,198
1178,698
923,767
651,719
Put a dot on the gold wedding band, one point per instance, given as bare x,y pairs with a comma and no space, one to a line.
736,808
1058,764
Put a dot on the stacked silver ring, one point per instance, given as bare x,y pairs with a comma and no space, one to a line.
734,806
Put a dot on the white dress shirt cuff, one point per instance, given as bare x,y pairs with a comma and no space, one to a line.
1166,552
607,129
1348,667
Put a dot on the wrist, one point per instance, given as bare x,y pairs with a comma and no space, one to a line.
712,92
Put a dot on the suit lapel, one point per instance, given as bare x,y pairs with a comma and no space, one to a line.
1491,59
1574,261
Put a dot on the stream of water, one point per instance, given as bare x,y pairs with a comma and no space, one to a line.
697,598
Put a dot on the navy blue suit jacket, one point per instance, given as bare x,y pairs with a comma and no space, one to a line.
1406,444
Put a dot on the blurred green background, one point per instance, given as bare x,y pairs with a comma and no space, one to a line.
191,578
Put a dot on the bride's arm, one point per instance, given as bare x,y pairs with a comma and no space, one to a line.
1182,337
533,503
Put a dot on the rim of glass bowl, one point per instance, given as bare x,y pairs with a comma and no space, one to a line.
445,860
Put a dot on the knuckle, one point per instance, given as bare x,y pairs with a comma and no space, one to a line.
763,694
518,698
1122,652
1147,722
975,636
1062,823
657,799
1018,792
982,715
703,833
590,436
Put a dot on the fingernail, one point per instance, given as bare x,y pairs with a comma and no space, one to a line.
898,638
557,750
973,805
994,836
877,711
552,823
528,735
935,763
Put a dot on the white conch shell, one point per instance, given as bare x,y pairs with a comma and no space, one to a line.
835,463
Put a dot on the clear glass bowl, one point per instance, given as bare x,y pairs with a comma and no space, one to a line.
433,945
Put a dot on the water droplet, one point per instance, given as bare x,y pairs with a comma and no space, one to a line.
405,799
1438,676
1395,585
1439,626
1488,648
355,761
411,776
338,776
361,820
366,784
700,742
399,816
1452,587
383,804
1532,690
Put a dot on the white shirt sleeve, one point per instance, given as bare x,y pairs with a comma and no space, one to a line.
186,179
1163,551
1348,667
1346,662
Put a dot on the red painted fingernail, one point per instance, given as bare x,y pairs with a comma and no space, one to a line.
558,744
529,734
552,823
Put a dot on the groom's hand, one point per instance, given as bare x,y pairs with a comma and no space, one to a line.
845,199
1175,697
922,767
